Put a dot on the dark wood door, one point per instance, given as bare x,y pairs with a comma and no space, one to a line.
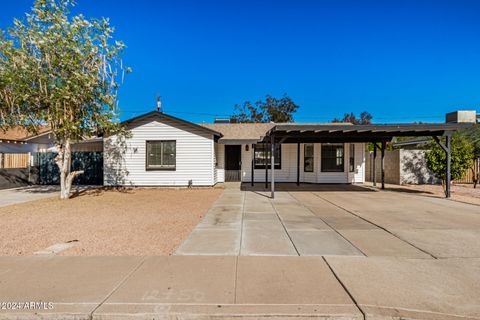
233,164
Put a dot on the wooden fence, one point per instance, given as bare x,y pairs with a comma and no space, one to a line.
471,173
14,160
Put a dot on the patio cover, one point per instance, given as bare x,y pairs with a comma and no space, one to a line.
344,133
304,133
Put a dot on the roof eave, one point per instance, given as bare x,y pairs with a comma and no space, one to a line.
238,141
164,115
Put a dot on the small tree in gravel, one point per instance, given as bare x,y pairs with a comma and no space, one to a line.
61,71
461,159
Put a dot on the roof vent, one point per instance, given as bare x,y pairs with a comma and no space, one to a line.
461,116
159,104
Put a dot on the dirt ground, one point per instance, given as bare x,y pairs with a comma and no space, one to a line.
106,222
460,192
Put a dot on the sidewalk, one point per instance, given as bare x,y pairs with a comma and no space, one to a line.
196,287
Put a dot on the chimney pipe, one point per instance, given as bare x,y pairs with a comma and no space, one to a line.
159,104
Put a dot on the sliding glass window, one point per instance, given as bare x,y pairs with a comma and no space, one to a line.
332,157
161,155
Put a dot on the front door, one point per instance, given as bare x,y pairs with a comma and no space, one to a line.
233,164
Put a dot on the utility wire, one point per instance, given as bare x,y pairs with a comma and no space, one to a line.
309,117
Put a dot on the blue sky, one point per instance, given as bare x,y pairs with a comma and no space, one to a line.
400,60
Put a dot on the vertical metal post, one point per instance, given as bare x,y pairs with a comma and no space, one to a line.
449,162
383,165
374,170
252,176
298,164
265,160
272,157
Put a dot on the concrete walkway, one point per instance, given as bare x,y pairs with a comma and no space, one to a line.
201,287
250,223
25,194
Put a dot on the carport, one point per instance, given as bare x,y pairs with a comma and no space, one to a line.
377,134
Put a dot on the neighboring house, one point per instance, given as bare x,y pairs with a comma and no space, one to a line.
16,140
166,151
15,154
45,143
27,158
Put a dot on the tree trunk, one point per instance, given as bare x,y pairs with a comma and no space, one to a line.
64,163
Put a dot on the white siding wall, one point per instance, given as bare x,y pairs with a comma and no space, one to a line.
124,162
359,175
220,158
288,171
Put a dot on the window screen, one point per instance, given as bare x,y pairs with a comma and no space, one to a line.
308,158
332,158
161,155
262,156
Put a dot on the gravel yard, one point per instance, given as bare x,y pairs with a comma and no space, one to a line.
106,222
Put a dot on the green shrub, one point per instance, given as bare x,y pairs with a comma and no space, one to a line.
462,152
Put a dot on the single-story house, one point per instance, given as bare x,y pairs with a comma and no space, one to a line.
166,151
163,150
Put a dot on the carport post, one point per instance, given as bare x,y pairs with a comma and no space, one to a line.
449,163
298,164
374,169
252,176
265,160
272,163
448,152
383,164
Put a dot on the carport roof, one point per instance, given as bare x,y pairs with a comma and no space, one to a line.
296,132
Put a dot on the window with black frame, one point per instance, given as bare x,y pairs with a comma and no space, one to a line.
332,157
261,155
351,158
161,155
308,158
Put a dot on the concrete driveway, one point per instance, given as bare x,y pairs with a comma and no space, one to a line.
313,220
25,194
